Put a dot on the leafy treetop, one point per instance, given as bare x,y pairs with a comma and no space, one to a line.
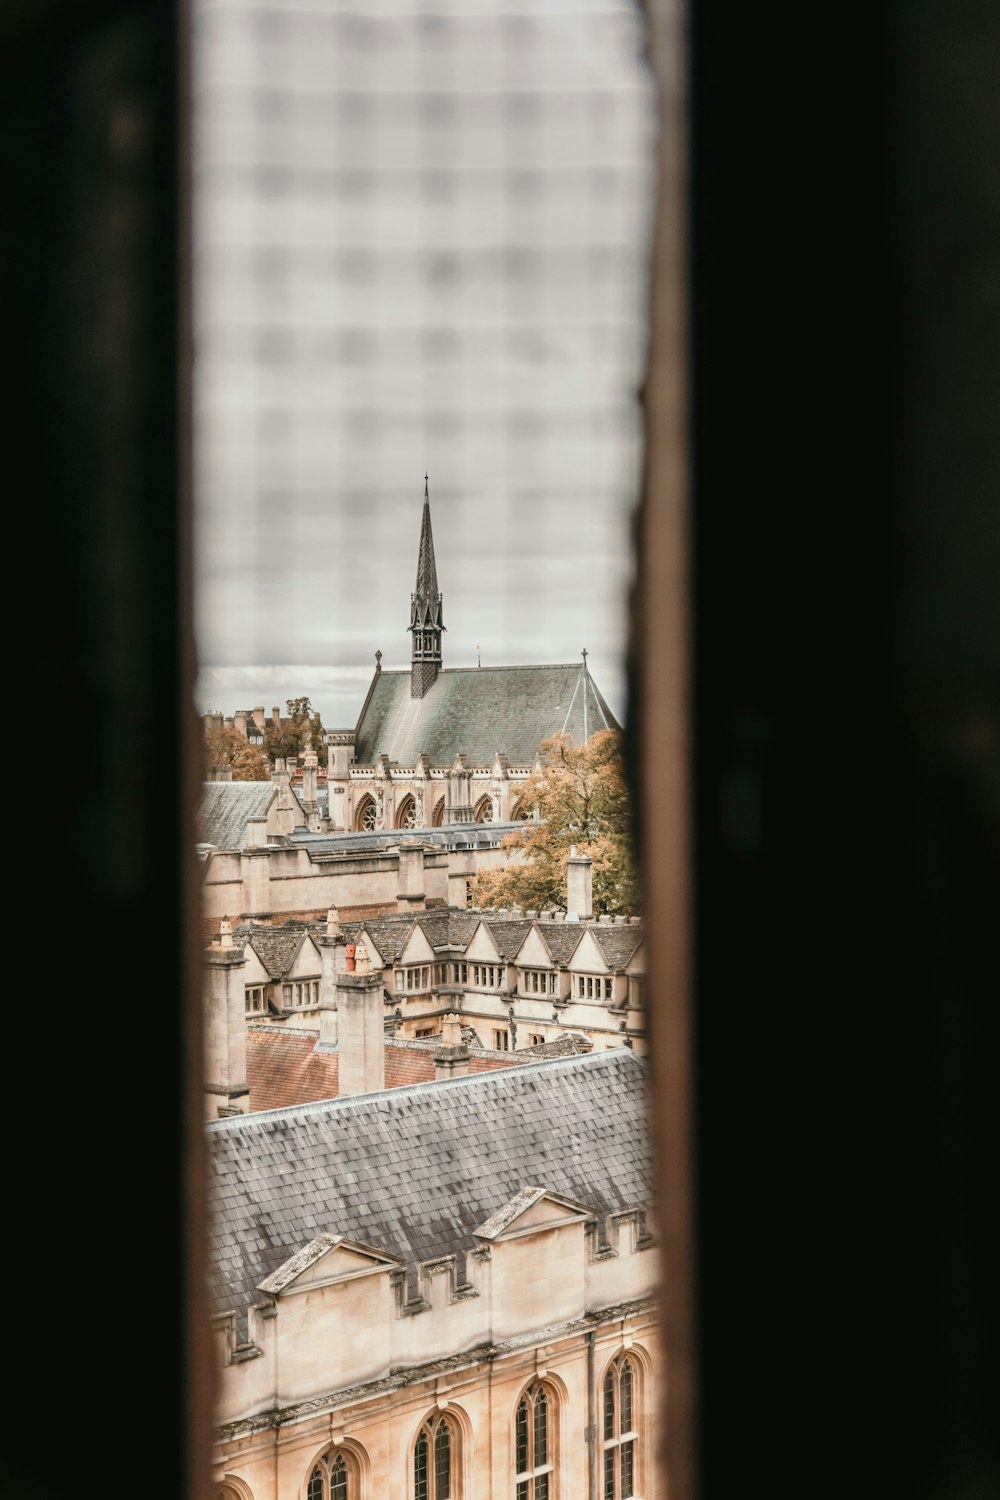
579,796
302,726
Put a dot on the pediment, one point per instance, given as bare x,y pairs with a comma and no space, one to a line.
532,1208
588,956
637,963
533,953
482,947
377,958
254,971
307,960
329,1257
417,948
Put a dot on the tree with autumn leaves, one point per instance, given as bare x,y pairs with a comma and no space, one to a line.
581,799
225,746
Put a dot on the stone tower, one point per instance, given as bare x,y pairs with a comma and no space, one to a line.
425,612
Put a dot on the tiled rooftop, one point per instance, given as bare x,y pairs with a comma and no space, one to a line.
415,1170
226,806
289,1067
479,711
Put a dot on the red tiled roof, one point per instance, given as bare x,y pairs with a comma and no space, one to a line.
285,1067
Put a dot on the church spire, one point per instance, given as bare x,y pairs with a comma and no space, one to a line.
426,623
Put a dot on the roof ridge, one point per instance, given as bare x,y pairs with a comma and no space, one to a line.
513,666
398,1095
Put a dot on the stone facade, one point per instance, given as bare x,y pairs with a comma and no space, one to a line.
340,1365
513,980
388,1356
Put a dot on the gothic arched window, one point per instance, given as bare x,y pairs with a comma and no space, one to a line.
331,1479
435,1461
619,1430
484,810
407,815
534,1457
366,813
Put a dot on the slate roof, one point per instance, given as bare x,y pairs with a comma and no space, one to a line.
479,711
415,1171
391,931
225,807
508,934
561,938
449,928
618,944
276,947
285,1067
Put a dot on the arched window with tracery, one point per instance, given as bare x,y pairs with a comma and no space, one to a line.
366,814
438,818
484,810
435,1461
620,1429
534,1445
334,1476
406,817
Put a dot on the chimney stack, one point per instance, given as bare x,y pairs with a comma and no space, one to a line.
360,1029
332,947
410,895
226,1089
579,886
451,1058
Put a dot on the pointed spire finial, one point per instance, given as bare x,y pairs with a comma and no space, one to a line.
426,495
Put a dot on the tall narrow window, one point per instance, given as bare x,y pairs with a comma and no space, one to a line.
434,1458
619,1431
533,1456
331,1480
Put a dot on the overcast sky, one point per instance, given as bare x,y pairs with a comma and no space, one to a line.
421,236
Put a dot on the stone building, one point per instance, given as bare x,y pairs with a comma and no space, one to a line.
436,745
259,858
441,1291
512,981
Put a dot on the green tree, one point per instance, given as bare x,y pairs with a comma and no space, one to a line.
302,725
582,800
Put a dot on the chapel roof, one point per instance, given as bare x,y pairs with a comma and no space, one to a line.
479,711
414,1171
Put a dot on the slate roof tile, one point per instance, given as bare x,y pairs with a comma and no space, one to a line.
225,807
462,710
431,1162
